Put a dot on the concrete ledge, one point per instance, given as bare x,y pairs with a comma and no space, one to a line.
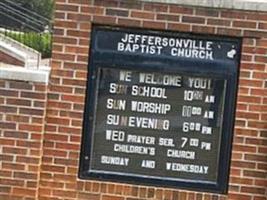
252,5
22,74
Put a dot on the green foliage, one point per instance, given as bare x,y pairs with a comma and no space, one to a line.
38,41
42,7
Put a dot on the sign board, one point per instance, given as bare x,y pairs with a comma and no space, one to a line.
160,108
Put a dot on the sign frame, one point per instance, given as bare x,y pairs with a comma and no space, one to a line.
110,60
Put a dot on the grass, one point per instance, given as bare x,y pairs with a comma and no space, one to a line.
41,42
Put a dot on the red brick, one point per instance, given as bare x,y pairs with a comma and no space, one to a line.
258,92
66,162
86,196
154,25
255,34
28,159
31,127
13,166
253,66
261,182
263,150
73,82
7,125
218,22
62,193
243,164
65,40
20,85
256,141
11,182
249,99
28,144
234,14
24,192
129,22
82,58
261,16
229,31
9,93
80,34
16,134
261,59
117,12
63,56
193,20
68,146
253,190
5,189
78,18
18,102
53,168
251,157
57,153
63,89
142,15
262,42
24,175
70,130
109,197
65,7
243,148
57,120
66,178
243,90
31,111
33,95
168,17
262,166
6,142
247,115
203,29
233,196
107,3
244,24
156,7
207,12
56,137
6,157
104,20
92,10
246,57
259,125
85,25
178,27
79,50
236,156
180,10
253,174
72,98
246,132
241,106
260,197
39,104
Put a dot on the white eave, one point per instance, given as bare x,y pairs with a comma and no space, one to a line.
250,5
10,72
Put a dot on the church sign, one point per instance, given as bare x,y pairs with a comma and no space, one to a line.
160,108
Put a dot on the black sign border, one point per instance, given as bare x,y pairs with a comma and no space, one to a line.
228,123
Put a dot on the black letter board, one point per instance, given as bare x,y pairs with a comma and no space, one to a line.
160,108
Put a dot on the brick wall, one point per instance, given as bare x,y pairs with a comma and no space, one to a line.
65,103
22,112
66,99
